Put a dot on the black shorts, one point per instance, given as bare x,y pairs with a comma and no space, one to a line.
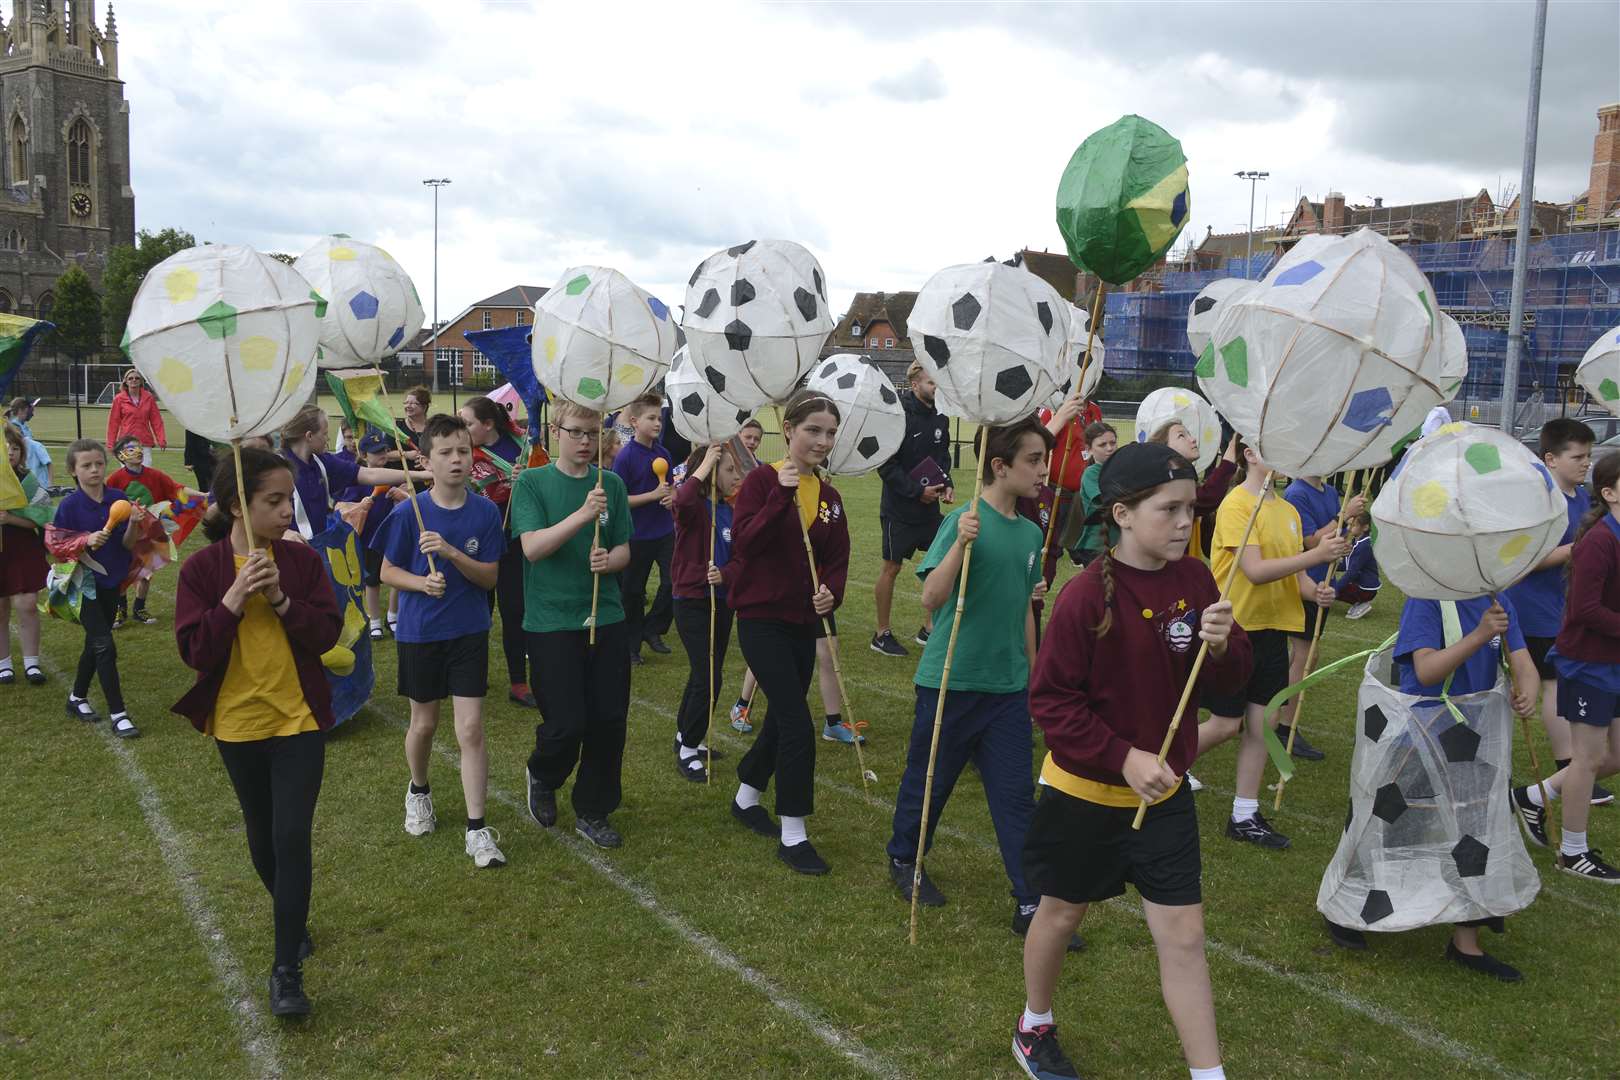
1082,852
1582,704
435,670
1270,675
902,539
1539,648
374,561
829,623
1310,619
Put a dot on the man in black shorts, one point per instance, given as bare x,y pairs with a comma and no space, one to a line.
915,480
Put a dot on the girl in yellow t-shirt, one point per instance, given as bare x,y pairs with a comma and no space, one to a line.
1265,599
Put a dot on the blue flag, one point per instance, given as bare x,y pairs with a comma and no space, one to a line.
508,349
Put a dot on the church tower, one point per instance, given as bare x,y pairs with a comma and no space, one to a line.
65,196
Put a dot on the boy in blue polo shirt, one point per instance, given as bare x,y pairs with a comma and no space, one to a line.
444,623
652,527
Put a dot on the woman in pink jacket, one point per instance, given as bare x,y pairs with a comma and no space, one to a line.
135,412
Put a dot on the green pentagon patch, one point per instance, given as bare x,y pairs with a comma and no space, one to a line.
1609,390
218,320
577,286
1484,457
1206,362
1235,355
320,304
588,388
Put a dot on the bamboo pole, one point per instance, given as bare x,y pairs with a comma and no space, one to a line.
944,685
1203,646
1085,363
596,535
410,485
714,526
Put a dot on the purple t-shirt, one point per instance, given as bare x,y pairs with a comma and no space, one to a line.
634,466
1316,509
80,513
313,491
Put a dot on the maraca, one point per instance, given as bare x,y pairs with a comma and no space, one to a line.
660,468
117,512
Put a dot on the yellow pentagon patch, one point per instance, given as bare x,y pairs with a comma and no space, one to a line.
551,350
1181,401
181,285
630,375
173,376
1453,428
258,353
1513,548
1430,500
341,254
295,375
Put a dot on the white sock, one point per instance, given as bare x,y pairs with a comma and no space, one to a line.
748,796
117,717
1533,793
74,699
29,662
1217,1073
376,624
1244,809
690,752
1033,1020
1574,843
793,831
5,664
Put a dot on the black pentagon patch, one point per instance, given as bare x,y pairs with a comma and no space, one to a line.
706,306
889,396
742,415
1203,304
1389,804
867,446
1377,906
1373,722
740,249
742,291
965,312
691,281
1044,311
692,403
1013,382
1460,742
937,350
806,301
821,286
715,378
847,380
738,336
680,337
832,366
1470,856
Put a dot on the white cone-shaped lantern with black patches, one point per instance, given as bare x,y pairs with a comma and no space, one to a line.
1206,308
1469,511
872,422
1313,364
599,340
995,339
1599,370
756,319
222,331
372,308
700,415
1194,413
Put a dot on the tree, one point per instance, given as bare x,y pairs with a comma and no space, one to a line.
126,269
77,314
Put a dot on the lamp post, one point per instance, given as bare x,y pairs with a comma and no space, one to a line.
1521,247
1253,177
433,347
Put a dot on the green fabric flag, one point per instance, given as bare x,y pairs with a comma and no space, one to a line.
17,337
359,395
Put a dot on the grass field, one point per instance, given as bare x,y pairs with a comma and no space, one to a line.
138,938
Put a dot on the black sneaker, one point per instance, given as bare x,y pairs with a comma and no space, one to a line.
542,800
656,644
598,831
922,635
1024,914
1601,796
902,873
1302,749
1484,963
886,644
1039,1054
757,820
287,996
1531,816
1346,937
802,858
142,616
1589,864
118,619
1257,830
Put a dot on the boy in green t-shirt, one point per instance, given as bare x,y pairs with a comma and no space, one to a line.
986,717
583,689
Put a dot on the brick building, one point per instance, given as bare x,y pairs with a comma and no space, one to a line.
457,361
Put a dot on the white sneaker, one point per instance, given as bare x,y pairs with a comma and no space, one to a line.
1358,610
1193,783
419,819
481,846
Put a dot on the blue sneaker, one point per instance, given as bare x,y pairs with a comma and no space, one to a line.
842,733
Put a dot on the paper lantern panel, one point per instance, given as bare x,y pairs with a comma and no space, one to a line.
1195,414
1123,199
700,415
372,307
1599,370
872,422
1450,361
1206,308
599,340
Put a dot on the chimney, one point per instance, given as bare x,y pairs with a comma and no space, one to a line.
1378,202
1333,220
1604,190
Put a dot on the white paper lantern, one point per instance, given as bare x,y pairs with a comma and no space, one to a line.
1469,511
1451,361
1599,370
700,415
372,308
1206,308
599,340
1312,365
756,319
221,323
1079,334
1195,414
872,422
995,339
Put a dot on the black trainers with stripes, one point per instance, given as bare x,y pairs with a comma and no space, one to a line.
1258,831
1589,864
1531,816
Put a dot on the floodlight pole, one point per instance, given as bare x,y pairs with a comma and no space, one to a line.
1521,248
1253,177
433,347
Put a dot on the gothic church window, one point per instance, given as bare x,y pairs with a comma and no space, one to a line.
19,151
78,150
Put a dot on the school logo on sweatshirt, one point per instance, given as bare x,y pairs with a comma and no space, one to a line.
830,514
1181,627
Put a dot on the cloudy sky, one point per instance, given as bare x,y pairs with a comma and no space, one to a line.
891,139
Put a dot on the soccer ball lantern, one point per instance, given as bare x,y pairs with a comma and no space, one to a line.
227,337
599,340
872,422
756,319
1469,511
1206,308
700,415
994,338
1194,413
371,304
1451,361
1599,370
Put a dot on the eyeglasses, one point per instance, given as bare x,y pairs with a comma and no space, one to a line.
581,434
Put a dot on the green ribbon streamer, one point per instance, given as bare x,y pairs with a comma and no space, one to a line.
1274,746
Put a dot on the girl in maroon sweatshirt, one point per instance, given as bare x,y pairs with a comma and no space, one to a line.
1117,653
779,613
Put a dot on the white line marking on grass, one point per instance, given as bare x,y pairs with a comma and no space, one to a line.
852,1049
245,1006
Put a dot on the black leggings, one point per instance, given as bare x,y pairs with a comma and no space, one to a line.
277,782
782,656
584,698
692,624
100,655
509,591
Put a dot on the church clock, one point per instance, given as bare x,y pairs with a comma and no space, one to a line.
80,204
